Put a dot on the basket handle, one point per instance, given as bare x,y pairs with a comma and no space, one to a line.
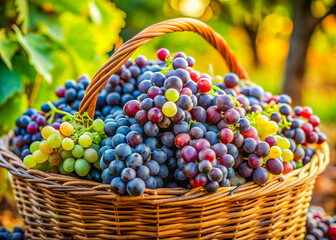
160,29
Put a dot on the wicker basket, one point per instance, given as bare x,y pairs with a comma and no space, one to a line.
61,207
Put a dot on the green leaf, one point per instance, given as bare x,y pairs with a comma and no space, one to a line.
10,83
22,8
7,49
11,110
39,51
48,23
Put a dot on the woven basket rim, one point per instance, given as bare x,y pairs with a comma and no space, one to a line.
176,196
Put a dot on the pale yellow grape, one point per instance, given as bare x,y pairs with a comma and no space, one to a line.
271,127
54,159
287,155
89,134
54,140
85,141
45,148
169,109
172,95
262,120
66,129
29,161
34,146
283,143
275,152
47,131
39,157
68,144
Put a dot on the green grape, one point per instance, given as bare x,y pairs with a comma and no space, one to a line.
97,139
54,169
82,167
29,161
66,154
95,147
169,109
172,95
85,141
77,151
69,165
43,166
89,134
54,141
298,165
98,125
97,164
68,144
34,146
54,159
287,155
90,155
61,169
39,157
283,142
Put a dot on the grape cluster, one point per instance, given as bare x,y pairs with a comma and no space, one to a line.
179,127
17,234
71,149
319,225
27,130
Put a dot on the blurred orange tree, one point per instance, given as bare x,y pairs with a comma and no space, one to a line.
42,43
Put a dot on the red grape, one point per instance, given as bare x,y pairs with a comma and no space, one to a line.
207,154
131,108
254,160
307,128
274,166
225,135
162,54
201,144
186,91
214,115
182,140
231,116
189,154
288,167
306,112
60,91
141,117
153,92
271,140
314,120
251,133
204,85
155,115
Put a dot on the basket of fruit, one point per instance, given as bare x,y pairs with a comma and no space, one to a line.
156,150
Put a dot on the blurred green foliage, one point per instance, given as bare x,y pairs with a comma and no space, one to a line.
43,43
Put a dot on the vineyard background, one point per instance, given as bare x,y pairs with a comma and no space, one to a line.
43,43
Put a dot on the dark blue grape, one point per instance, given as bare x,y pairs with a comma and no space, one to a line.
159,155
151,182
118,186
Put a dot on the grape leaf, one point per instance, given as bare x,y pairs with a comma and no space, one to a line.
10,82
49,24
7,49
39,51
22,8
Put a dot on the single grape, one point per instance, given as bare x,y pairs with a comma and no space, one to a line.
190,170
29,161
34,146
66,129
260,175
39,157
90,155
69,165
82,167
205,166
54,141
68,144
85,141
77,151
118,186
226,160
54,159
274,166
169,109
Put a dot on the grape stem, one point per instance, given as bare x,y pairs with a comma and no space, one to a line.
56,110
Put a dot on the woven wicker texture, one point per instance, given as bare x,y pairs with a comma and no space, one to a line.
61,207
